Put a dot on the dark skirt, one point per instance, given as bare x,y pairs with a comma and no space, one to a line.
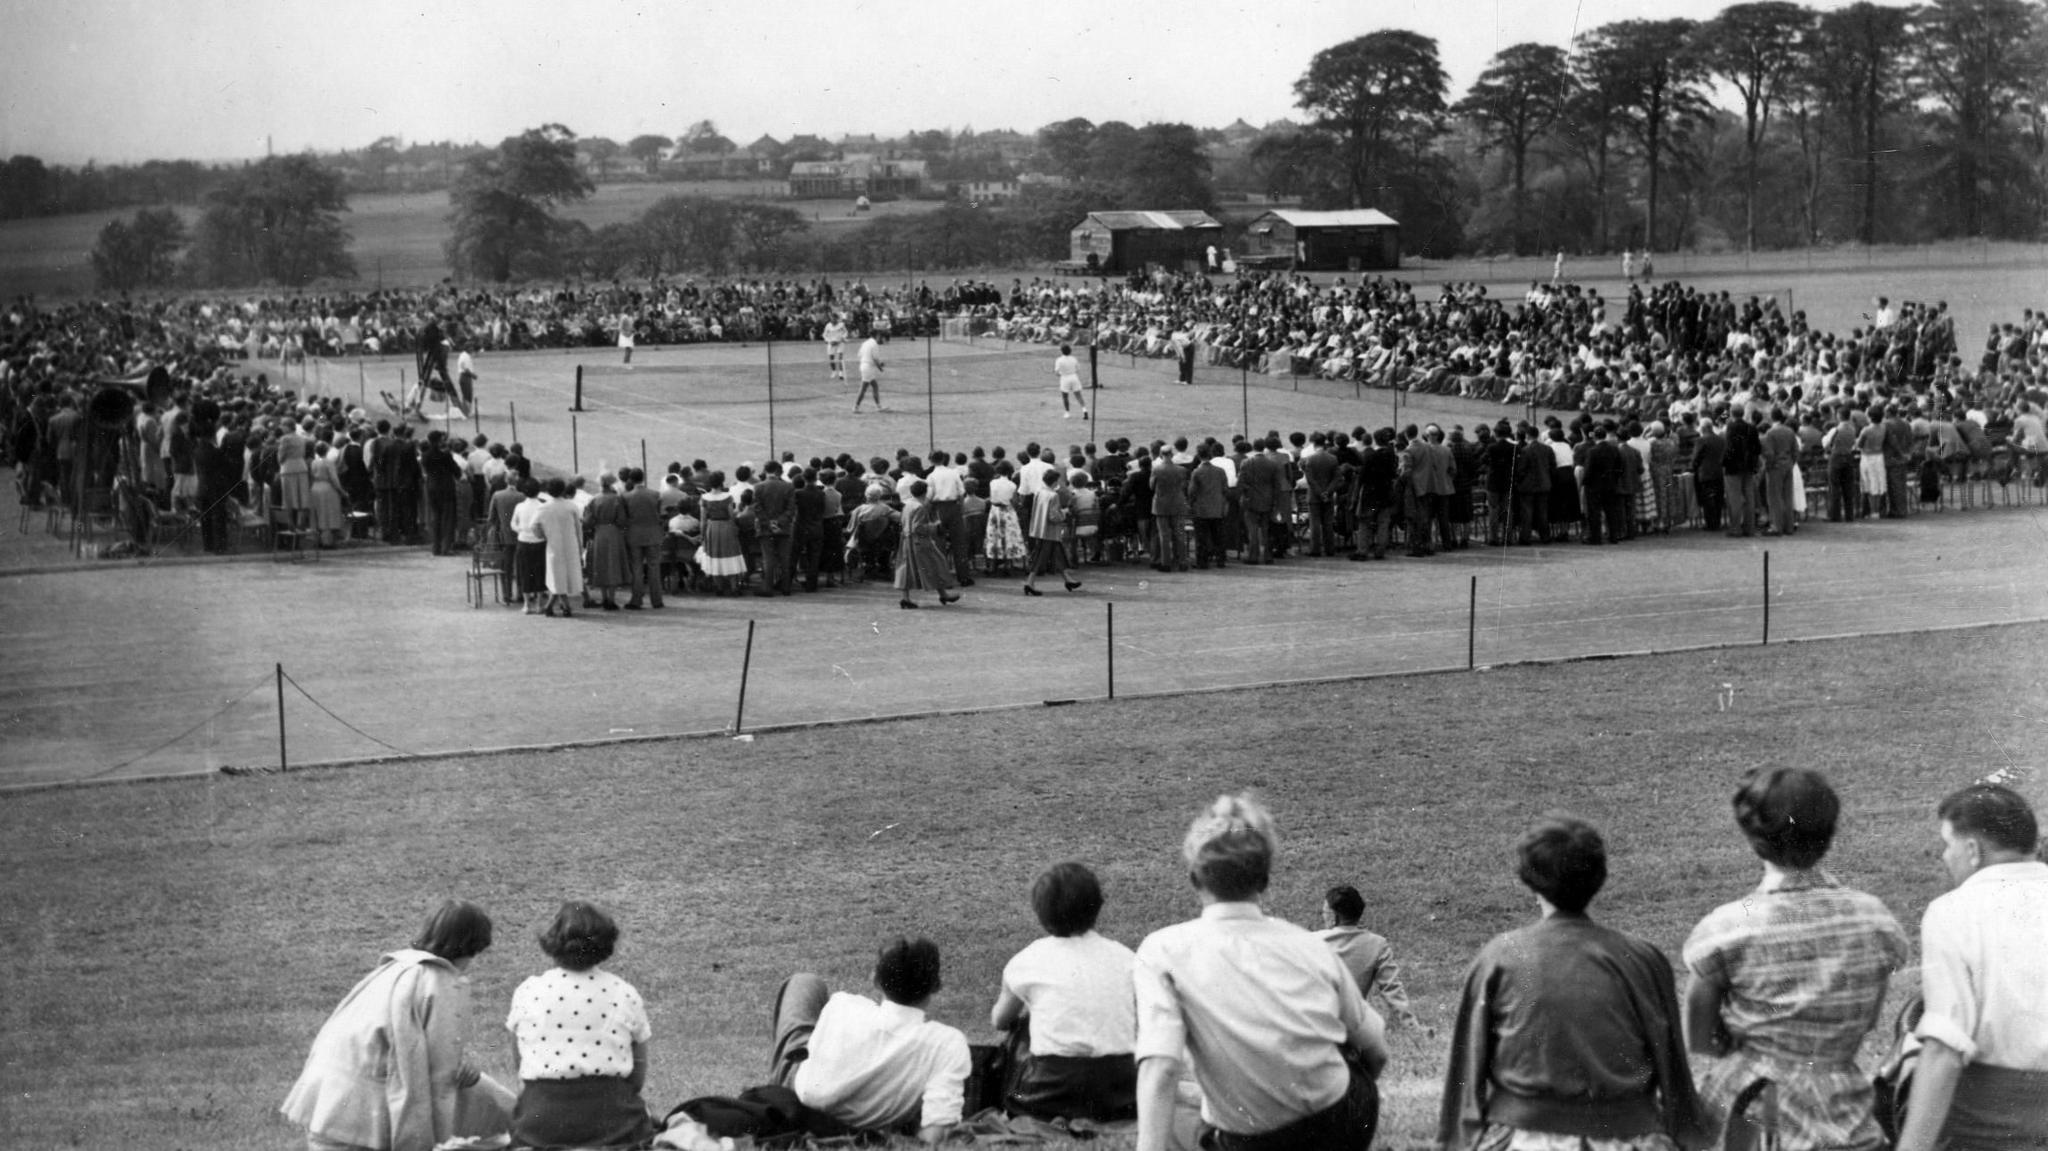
1564,496
595,1111
1101,1088
532,565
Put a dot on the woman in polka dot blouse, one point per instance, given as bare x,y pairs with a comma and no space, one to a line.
580,1041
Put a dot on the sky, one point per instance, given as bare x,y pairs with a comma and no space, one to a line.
119,81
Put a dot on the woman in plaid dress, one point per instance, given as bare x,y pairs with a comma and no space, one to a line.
1787,980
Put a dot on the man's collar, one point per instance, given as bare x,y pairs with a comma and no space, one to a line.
1232,909
896,1014
2018,869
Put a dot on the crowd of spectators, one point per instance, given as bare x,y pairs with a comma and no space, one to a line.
1712,405
1237,1030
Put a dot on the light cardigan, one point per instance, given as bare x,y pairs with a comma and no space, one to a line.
384,1069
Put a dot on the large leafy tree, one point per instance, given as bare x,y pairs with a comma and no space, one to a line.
277,221
1980,59
1517,99
1649,72
1063,147
1756,48
1381,96
1868,45
139,254
648,149
504,202
1167,167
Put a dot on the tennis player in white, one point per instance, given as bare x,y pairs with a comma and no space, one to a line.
835,347
1068,370
870,373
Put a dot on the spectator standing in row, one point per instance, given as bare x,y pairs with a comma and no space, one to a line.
645,529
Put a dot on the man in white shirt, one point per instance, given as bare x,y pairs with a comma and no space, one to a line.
835,347
874,1066
1284,1048
1982,1080
465,382
945,487
870,373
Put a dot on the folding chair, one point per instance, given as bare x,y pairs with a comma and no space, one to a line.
288,536
486,565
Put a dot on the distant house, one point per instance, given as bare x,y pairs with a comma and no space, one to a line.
856,174
1362,239
983,191
1126,241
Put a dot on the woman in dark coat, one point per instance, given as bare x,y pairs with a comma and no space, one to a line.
919,562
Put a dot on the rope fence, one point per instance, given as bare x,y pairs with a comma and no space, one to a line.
1154,654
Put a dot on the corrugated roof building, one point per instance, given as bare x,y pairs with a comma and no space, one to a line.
1361,239
1125,241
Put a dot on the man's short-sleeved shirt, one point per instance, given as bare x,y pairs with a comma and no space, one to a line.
870,360
1077,990
572,1024
1258,1006
1067,367
1984,967
873,1065
835,334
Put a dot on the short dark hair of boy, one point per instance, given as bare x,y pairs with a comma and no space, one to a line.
907,970
580,938
1067,898
1345,903
458,929
1563,859
1789,815
1995,814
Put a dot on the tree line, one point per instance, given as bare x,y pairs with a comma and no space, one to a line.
1865,123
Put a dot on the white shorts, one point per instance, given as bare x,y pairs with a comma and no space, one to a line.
1070,384
835,351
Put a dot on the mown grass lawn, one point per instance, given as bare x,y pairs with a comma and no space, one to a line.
171,948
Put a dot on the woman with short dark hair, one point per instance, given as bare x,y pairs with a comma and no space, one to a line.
580,1042
1066,999
387,1071
1568,1032
1788,980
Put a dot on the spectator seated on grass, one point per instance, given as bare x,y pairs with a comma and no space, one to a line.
1281,1043
388,1071
870,1066
580,1042
1788,980
1568,1032
1066,1002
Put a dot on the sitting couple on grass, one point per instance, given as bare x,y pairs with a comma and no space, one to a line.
860,1065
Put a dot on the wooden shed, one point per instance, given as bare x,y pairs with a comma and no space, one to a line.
1127,241
1362,239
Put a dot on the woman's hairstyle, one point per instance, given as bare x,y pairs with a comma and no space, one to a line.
1067,898
1563,859
1229,848
458,929
907,970
529,488
1788,813
581,937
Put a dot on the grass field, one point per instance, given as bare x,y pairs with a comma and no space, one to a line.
171,948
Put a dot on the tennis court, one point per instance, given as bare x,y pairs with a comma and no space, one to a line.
730,403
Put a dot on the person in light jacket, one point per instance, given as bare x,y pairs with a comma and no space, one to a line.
387,1071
